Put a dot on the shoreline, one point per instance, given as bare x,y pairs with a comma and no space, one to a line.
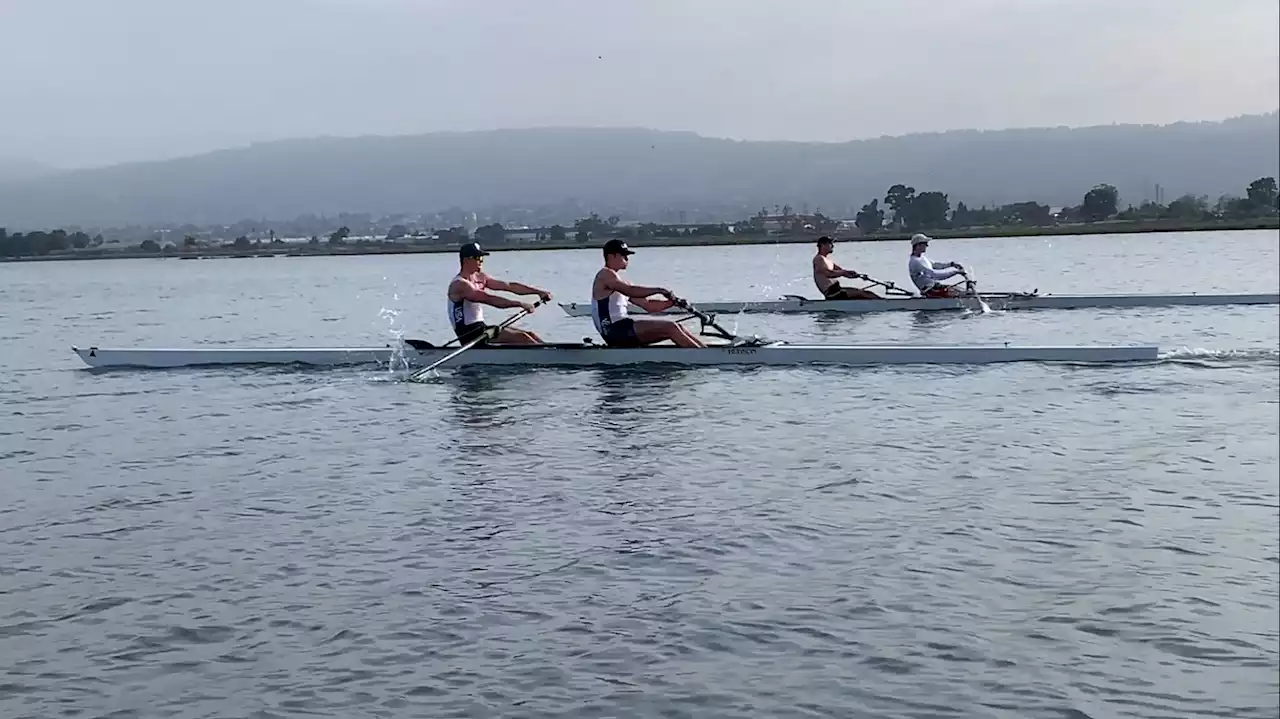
993,233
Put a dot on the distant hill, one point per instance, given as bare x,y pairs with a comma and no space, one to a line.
647,170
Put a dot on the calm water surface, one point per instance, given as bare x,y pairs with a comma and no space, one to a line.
1003,541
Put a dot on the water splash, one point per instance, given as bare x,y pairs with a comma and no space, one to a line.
391,316
982,310
970,277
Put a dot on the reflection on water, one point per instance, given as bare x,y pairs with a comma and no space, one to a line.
635,412
845,326
475,394
631,392
935,320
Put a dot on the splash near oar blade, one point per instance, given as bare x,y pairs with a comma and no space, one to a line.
971,285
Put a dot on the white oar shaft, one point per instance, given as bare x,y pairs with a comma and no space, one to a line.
426,370
483,335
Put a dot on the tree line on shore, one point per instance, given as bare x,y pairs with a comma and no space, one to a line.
37,243
904,209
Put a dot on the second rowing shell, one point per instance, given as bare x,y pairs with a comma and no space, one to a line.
997,301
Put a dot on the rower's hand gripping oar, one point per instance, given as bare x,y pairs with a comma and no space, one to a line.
489,333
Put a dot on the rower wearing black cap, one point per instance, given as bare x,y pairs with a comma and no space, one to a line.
610,294
469,291
826,272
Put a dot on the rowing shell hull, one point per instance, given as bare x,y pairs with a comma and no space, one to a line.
995,301
587,356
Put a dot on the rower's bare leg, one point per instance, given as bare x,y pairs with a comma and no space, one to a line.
511,336
654,331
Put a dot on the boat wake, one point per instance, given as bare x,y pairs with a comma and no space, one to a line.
1220,358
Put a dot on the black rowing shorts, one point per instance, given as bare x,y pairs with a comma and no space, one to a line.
621,333
468,332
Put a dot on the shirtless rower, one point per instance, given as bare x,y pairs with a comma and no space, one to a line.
928,275
610,293
825,272
469,291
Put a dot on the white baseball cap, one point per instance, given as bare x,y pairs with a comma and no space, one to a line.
919,239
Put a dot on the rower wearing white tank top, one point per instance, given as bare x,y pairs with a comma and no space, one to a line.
469,292
610,294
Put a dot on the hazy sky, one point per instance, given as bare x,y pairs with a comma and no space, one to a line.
98,81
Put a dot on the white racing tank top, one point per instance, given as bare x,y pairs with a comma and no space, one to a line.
465,312
605,312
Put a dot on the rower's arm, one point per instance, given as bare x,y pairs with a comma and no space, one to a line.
942,271
652,306
468,292
518,288
833,271
638,294
635,292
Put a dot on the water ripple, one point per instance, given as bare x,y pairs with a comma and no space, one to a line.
1015,541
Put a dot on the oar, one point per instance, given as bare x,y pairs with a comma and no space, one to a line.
972,286
707,320
488,333
888,286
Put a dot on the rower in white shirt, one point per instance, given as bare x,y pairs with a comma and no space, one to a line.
928,275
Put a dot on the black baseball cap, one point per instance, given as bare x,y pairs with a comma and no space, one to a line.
471,249
824,240
617,247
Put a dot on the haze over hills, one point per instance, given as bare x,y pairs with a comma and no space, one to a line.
17,169
638,172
